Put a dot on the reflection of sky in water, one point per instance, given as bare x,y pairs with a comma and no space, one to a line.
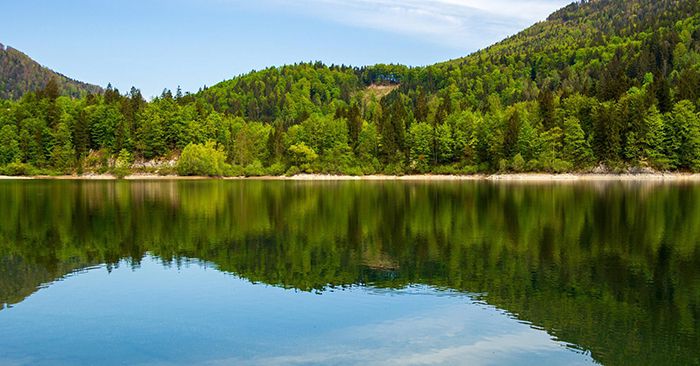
198,315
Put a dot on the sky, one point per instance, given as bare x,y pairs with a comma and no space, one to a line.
157,44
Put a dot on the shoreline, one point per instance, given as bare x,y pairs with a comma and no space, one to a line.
529,177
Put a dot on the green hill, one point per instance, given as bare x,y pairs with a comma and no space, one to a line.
600,84
20,74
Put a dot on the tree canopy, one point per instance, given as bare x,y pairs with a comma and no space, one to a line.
613,84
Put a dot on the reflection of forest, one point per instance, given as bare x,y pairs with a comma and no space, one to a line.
612,267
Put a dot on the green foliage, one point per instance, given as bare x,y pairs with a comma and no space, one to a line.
599,83
368,144
276,170
302,156
9,147
150,140
122,165
20,75
18,169
683,137
62,153
576,148
202,160
250,143
292,171
255,169
421,140
518,164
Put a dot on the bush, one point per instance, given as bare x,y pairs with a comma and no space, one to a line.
518,163
303,156
534,165
354,171
97,162
234,171
255,169
276,170
122,166
484,168
369,169
292,171
469,170
369,166
18,169
502,166
561,166
447,170
395,169
204,160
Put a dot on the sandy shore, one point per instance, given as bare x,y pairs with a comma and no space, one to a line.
535,177
321,177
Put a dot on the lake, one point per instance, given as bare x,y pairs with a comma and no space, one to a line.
369,273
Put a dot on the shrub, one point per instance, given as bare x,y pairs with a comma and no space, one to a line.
204,160
534,165
276,170
395,169
97,161
303,156
354,171
234,171
447,170
502,166
18,169
255,169
469,170
292,171
483,168
561,166
122,166
369,169
518,163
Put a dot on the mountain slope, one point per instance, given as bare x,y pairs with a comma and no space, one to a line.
598,48
20,74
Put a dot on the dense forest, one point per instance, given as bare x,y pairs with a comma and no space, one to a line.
19,75
604,85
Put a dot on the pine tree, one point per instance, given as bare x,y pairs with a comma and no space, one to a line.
682,130
9,147
653,141
511,134
354,121
576,149
393,128
62,153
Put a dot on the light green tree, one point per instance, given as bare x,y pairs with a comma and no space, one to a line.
421,142
576,149
204,160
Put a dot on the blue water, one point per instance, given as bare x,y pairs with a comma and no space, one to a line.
191,313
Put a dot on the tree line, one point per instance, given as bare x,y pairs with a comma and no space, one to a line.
599,86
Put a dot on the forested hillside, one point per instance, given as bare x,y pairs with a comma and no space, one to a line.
19,75
600,85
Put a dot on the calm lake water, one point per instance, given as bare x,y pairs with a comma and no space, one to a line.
280,273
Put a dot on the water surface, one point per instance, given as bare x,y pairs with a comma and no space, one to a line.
254,272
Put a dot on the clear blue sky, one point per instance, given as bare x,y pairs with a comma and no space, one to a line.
154,44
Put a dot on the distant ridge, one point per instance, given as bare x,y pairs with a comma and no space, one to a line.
19,74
